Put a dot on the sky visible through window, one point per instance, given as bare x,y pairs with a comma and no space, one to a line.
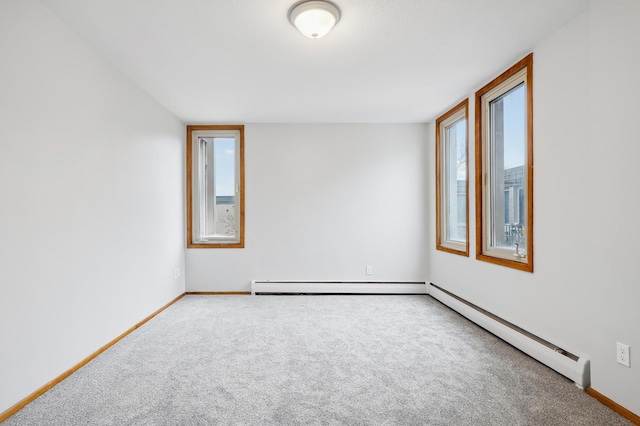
224,166
514,127
461,141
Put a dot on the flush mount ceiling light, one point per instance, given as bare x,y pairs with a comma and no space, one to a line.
314,18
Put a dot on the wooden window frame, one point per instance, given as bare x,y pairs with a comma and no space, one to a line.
481,233
441,244
189,168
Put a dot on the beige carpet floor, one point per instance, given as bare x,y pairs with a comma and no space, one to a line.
313,360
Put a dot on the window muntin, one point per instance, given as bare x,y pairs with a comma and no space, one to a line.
504,171
215,182
452,169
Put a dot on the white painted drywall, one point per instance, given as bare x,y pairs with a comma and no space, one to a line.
322,202
91,190
584,292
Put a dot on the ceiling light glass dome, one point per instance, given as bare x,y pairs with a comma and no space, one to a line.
314,18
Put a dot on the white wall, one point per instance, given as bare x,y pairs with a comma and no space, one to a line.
322,202
584,292
91,183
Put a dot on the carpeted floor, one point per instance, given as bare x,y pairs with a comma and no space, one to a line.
320,360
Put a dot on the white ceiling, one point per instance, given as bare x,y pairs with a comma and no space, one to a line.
241,61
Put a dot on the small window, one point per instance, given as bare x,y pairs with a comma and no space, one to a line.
215,186
452,223
504,168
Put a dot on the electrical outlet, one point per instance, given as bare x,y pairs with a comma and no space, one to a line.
622,354
176,273
369,270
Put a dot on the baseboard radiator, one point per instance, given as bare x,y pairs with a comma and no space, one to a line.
336,287
574,367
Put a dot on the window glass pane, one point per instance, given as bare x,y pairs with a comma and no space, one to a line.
224,182
203,146
455,177
215,213
507,178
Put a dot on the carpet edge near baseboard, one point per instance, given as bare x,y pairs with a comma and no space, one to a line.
43,389
624,412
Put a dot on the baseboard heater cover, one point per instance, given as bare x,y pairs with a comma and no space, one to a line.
336,287
576,368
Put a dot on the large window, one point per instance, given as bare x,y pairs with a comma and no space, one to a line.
452,224
504,168
215,186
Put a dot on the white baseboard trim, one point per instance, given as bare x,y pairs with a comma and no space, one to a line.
336,287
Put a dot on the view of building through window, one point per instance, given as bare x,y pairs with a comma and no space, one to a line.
504,168
508,189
